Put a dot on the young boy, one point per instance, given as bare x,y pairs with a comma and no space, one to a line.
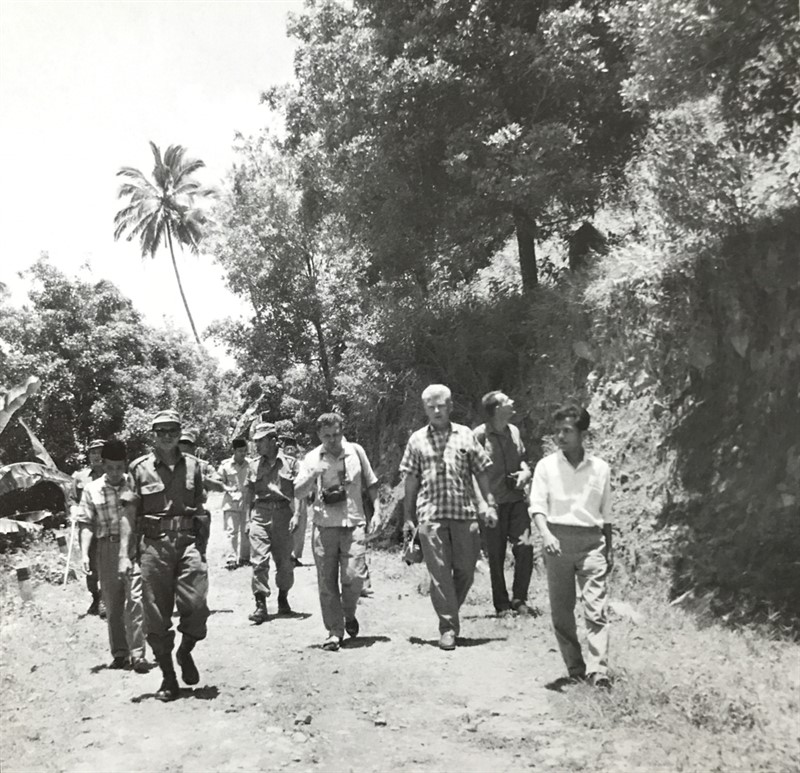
103,504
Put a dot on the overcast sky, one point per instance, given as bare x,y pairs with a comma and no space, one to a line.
84,86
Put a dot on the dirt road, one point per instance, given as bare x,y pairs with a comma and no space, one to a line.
269,698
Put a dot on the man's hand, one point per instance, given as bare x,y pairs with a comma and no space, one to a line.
294,522
490,517
522,477
550,544
86,565
125,568
408,530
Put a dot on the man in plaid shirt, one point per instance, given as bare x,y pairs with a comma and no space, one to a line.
102,506
439,463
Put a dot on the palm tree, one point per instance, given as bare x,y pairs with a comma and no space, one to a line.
163,209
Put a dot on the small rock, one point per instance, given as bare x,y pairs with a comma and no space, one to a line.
379,722
299,737
302,719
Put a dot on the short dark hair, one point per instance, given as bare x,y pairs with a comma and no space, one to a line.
114,450
490,401
239,442
575,413
329,419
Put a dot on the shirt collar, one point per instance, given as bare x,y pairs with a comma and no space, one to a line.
346,449
587,459
433,431
158,460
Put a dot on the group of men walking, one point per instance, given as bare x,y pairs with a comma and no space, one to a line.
149,528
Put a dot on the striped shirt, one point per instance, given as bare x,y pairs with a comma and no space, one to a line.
444,461
572,496
102,506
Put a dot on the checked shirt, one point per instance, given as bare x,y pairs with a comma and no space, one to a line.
444,463
102,505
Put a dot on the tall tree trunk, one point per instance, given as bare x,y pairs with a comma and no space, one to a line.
323,357
180,285
526,246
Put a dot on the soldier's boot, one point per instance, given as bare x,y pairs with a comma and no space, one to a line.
283,603
189,672
169,689
260,615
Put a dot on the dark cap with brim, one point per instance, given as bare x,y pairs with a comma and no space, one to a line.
166,417
264,429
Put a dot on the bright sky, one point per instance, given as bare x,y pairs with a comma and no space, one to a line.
84,86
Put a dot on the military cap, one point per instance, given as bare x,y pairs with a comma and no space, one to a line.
95,444
189,436
166,417
264,429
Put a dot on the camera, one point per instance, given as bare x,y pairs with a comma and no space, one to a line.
334,494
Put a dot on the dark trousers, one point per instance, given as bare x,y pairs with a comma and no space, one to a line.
514,526
173,574
93,578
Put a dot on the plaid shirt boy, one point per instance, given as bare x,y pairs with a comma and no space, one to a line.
102,505
444,463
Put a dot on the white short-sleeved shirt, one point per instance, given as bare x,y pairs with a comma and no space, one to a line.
572,496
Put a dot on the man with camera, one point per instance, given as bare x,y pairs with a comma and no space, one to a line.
171,525
336,471
270,488
509,474
439,464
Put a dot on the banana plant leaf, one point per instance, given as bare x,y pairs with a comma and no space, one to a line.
24,475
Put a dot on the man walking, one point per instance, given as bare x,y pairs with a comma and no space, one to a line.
439,463
336,471
508,474
571,506
270,489
288,444
103,505
80,480
169,520
234,473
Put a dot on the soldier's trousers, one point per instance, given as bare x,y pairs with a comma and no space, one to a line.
123,600
269,534
340,554
173,574
299,534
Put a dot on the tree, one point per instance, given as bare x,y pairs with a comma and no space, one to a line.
299,277
164,209
440,130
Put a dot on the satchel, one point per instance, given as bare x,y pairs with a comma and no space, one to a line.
412,549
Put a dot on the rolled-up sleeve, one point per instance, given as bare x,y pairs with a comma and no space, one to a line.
409,464
540,499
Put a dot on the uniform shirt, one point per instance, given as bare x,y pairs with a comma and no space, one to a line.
507,452
164,491
102,505
263,478
444,462
572,496
234,478
350,469
80,480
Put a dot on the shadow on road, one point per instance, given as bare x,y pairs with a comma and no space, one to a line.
461,641
220,611
207,693
363,641
559,684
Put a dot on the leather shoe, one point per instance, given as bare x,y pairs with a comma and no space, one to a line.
189,672
447,641
140,665
601,681
351,627
94,607
169,689
119,662
331,644
259,616
522,609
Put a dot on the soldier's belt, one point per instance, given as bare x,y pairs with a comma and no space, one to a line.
110,537
170,522
262,503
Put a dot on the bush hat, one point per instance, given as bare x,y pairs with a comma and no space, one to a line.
188,436
95,444
264,429
166,417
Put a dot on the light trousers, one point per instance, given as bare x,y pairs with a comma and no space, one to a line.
583,560
340,556
451,549
235,522
123,601
270,535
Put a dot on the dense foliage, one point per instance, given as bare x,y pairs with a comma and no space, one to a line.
103,370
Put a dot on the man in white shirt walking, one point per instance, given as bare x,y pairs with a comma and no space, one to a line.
234,473
571,506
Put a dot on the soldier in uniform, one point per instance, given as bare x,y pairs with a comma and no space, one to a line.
188,445
80,480
270,493
172,527
288,444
